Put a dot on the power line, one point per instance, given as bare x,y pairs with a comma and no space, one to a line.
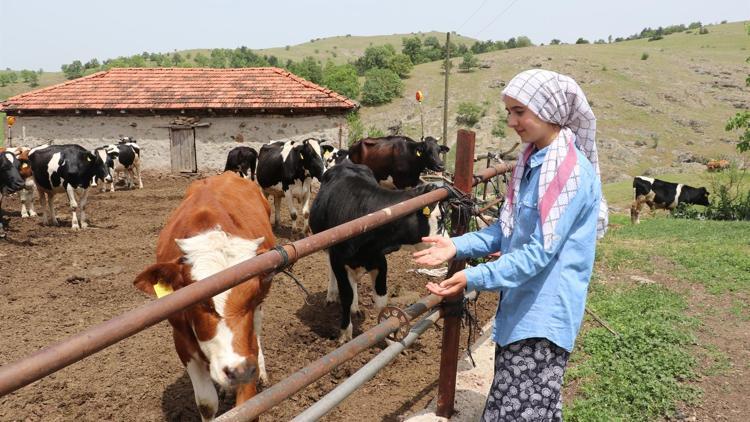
472,15
496,18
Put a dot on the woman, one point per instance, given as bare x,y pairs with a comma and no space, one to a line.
547,232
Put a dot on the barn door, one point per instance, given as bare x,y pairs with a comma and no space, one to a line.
182,149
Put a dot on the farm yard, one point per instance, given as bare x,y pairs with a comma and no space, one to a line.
70,281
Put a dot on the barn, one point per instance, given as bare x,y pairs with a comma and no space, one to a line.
184,119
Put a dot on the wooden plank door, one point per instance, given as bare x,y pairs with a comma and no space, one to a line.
182,149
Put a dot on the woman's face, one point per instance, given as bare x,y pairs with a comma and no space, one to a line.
528,125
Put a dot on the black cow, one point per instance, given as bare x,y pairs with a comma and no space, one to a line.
240,159
665,195
66,168
398,158
10,180
350,191
286,169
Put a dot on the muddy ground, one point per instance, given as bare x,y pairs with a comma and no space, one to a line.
55,283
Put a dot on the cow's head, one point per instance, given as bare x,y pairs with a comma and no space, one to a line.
220,329
427,218
312,157
701,197
10,176
428,152
96,163
126,139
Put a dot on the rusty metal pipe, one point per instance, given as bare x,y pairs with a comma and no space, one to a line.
280,391
55,357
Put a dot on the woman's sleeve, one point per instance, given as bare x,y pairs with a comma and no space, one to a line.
522,264
479,243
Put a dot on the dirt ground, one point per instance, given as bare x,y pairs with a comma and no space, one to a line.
55,283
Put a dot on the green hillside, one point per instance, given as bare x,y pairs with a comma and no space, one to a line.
650,112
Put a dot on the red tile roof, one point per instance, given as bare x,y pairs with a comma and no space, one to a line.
257,89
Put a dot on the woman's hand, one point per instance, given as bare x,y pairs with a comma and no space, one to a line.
449,287
442,249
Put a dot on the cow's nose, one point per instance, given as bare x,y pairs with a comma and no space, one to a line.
240,374
108,179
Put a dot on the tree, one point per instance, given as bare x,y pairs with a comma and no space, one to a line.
71,71
342,79
469,114
375,57
34,80
92,64
4,79
401,64
582,41
412,47
741,120
554,41
523,41
381,86
449,64
308,68
355,128
469,62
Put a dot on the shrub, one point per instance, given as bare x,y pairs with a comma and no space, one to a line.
381,86
644,56
728,201
469,114
469,62
498,130
703,30
582,41
355,127
342,79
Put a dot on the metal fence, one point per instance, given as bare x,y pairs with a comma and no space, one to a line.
57,356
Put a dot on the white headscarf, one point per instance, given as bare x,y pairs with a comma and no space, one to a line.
556,99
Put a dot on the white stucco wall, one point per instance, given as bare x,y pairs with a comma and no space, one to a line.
212,143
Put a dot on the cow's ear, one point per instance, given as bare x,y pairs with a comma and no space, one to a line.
160,279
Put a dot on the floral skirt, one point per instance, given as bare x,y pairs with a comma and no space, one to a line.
528,382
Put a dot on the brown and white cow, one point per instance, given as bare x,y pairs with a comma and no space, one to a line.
28,190
222,221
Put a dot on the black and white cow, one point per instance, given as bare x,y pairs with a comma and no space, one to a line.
10,180
128,162
333,156
28,191
66,168
665,195
108,154
241,159
287,169
398,160
350,191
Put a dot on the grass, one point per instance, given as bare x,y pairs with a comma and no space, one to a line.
643,375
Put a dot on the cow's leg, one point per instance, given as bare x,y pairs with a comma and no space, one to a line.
333,289
82,208
289,195
137,168
203,388
73,204
345,298
93,181
306,192
635,210
252,170
46,200
257,329
276,217
27,200
378,275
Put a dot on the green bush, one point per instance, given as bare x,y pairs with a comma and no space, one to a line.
469,62
355,127
728,201
381,86
342,79
498,130
469,114
644,56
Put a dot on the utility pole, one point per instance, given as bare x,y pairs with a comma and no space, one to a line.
445,98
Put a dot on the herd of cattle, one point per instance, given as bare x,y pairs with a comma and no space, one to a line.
226,219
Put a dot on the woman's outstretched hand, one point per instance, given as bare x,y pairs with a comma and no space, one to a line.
442,249
449,287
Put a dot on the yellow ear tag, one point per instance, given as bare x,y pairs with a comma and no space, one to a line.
24,165
88,158
162,289
326,154
302,157
426,211
419,154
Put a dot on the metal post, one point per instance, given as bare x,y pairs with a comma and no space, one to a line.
452,327
445,98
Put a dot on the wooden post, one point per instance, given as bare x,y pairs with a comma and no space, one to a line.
463,180
341,130
445,96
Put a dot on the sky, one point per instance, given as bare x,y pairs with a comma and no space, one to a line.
45,34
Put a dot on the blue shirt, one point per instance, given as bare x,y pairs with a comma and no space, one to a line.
543,291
